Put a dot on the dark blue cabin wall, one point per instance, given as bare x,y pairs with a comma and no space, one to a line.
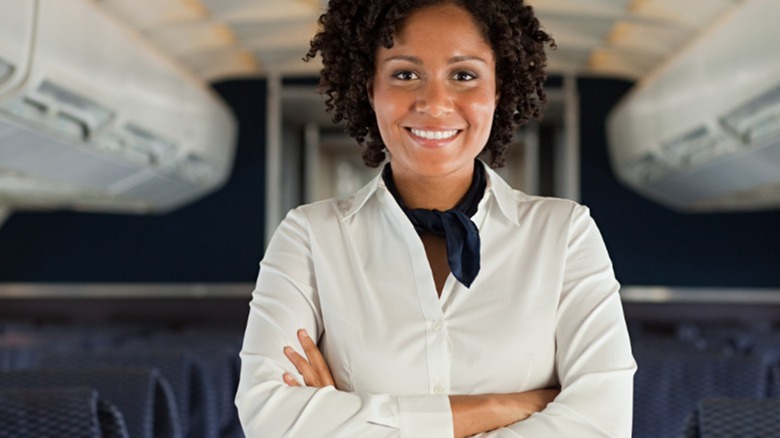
653,245
216,239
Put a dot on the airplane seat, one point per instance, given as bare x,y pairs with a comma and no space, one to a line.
205,388
725,337
88,337
18,352
23,345
672,376
142,395
217,350
728,417
76,412
192,390
767,346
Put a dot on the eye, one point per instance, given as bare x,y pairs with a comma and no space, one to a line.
405,75
464,76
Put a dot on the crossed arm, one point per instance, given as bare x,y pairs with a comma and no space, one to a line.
471,414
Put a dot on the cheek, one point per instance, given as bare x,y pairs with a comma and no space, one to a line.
383,106
385,111
481,111
389,109
384,118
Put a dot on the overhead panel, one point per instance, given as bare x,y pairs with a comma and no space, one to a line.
702,132
17,25
101,110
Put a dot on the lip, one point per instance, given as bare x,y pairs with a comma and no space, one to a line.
433,137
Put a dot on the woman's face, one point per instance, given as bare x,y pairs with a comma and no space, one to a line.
434,94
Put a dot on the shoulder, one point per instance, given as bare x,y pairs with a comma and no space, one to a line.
550,214
548,205
329,212
338,209
317,212
520,207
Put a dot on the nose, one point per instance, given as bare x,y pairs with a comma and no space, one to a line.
434,98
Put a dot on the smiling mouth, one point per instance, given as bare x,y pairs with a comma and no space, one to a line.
434,135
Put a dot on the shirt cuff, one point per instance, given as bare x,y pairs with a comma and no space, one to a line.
425,415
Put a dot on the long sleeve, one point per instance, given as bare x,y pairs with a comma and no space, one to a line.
286,299
543,311
593,357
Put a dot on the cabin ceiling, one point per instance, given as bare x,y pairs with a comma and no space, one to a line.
223,39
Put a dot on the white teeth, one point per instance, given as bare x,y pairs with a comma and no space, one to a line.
434,135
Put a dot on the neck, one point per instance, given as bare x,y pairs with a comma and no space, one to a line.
433,193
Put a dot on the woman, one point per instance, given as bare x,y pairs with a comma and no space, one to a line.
500,315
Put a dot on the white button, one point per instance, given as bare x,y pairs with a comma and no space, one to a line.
438,389
436,326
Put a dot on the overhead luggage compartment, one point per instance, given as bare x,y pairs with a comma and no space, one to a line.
17,19
93,117
702,133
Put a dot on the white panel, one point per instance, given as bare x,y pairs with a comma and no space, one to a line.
43,156
16,39
103,109
670,137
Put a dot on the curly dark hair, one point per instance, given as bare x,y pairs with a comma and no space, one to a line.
352,30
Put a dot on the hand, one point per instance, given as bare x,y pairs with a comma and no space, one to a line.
315,370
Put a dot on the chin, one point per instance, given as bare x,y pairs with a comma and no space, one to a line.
437,169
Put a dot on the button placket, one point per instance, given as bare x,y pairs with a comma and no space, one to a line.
438,356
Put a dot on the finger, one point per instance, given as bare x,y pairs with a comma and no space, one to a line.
315,358
305,369
296,359
290,380
300,363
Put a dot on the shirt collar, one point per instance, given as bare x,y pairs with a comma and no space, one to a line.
504,194
364,194
501,191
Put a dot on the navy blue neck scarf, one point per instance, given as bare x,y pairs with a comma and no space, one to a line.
455,225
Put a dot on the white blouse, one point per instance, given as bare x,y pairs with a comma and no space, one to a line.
544,311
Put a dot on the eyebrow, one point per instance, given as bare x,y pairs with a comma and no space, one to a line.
418,61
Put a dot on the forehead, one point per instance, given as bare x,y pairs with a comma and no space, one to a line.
441,26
